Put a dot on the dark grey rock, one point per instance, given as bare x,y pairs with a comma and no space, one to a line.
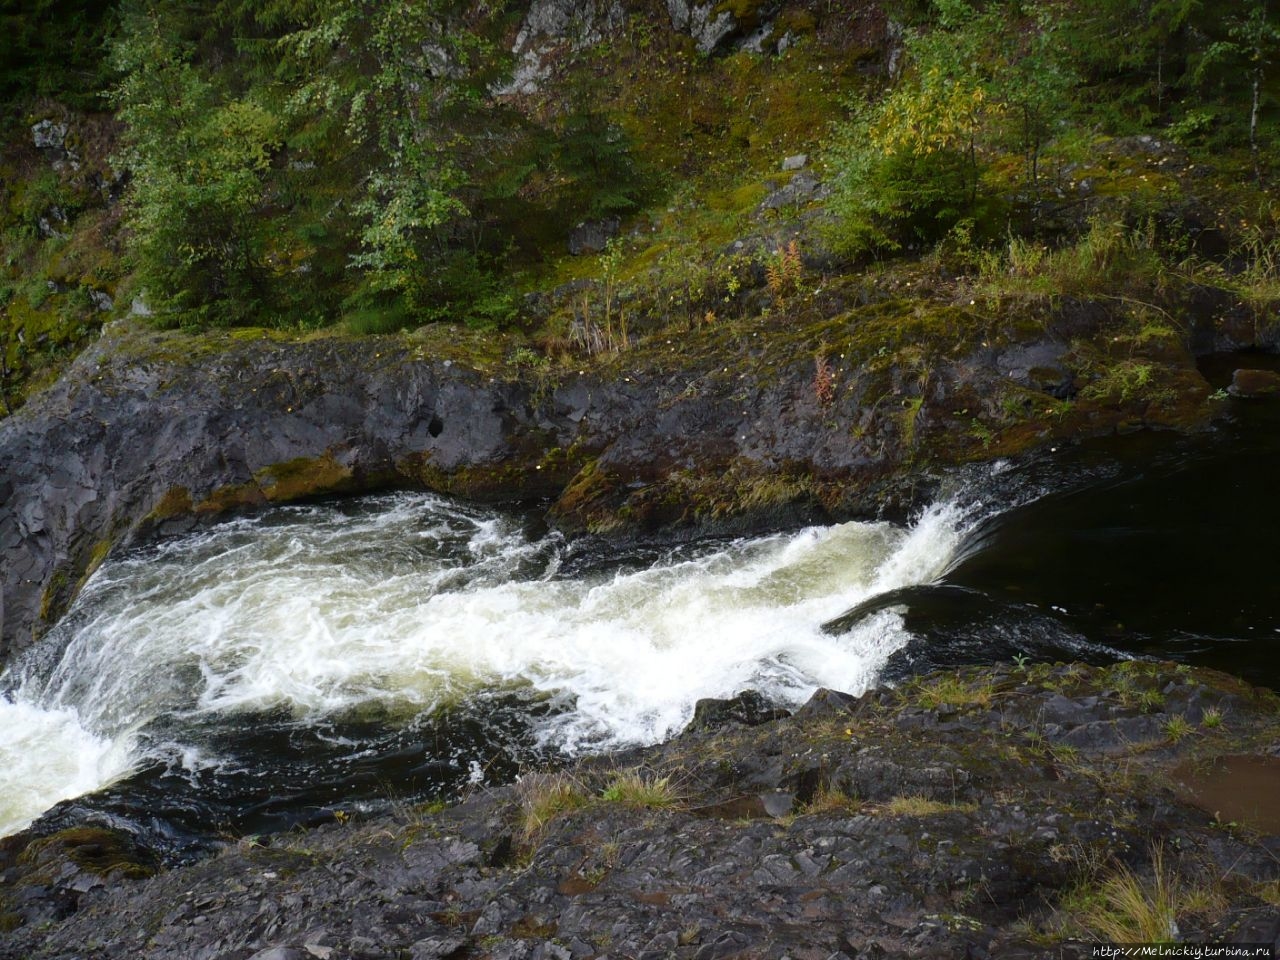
749,708
436,948
977,874
705,22
281,953
591,236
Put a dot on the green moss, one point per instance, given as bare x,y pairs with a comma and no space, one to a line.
304,477
176,502
96,556
585,500
52,597
95,850
746,12
237,496
796,21
508,480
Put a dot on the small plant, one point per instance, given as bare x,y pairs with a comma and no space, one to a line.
1128,908
1268,892
911,408
1211,719
630,788
824,380
1177,728
951,690
982,433
830,800
1150,700
524,357
784,270
544,796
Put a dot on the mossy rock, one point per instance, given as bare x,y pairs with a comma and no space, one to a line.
304,477
95,850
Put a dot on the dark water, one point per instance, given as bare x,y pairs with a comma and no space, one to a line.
1153,545
1150,545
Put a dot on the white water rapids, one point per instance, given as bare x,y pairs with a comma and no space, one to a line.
403,604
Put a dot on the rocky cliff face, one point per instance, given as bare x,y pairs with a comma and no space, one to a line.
153,432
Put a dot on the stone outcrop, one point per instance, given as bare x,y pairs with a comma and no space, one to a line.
151,432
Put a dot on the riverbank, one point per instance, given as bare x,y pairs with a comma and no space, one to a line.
829,412
1004,811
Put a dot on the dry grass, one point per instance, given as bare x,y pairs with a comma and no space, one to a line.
1127,907
544,796
831,801
924,807
1269,892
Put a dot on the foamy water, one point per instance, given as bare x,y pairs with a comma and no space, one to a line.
410,603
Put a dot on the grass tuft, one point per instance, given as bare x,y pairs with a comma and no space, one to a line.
1127,907
632,788
544,796
831,801
924,807
951,690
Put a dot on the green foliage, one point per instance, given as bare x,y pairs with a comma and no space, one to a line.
596,156
54,48
198,161
910,165
632,788
331,169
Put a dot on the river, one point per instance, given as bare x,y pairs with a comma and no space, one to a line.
317,659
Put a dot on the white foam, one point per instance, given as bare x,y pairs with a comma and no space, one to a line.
427,602
48,756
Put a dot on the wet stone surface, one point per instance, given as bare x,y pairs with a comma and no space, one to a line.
964,814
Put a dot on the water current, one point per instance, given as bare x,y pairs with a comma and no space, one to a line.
275,669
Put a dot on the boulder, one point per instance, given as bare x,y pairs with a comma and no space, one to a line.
750,708
1254,383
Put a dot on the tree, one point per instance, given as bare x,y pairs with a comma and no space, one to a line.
197,161
1253,37
384,91
908,164
981,81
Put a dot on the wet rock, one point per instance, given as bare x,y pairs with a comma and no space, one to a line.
1039,366
153,433
749,708
1254,383
827,704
